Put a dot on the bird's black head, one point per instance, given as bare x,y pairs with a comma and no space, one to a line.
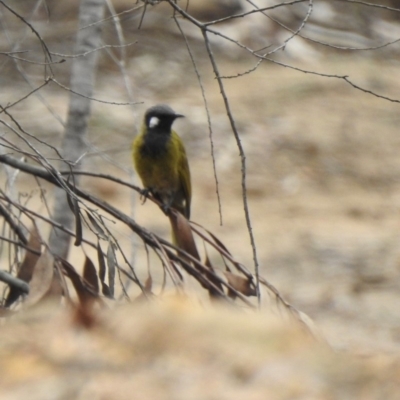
160,118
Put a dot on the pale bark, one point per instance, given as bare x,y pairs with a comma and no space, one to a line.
82,81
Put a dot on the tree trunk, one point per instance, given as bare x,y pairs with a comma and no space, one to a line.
82,81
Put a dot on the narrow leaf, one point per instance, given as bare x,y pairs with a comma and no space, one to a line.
85,294
102,271
96,225
73,205
218,242
148,285
90,275
112,264
25,271
62,281
241,268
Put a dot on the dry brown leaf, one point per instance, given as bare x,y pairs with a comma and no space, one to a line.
42,279
85,294
25,271
241,284
148,285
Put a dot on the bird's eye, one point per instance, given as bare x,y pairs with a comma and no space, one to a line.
154,121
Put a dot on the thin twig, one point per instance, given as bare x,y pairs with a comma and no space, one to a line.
319,42
104,47
16,228
243,163
26,96
245,14
92,98
42,42
341,77
364,3
208,119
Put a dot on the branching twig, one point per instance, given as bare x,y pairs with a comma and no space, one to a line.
36,33
245,14
148,237
364,3
92,98
341,77
208,119
242,158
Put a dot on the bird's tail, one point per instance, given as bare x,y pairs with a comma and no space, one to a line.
181,234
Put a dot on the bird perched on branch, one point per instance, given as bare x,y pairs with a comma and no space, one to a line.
160,160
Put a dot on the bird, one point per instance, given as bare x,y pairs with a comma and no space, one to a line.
160,160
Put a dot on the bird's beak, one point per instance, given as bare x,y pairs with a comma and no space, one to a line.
179,116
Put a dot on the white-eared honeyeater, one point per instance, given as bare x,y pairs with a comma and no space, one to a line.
160,160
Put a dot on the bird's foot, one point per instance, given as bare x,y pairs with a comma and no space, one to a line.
144,194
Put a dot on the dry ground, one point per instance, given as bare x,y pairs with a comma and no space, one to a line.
176,350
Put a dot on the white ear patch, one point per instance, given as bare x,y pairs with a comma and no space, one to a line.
154,121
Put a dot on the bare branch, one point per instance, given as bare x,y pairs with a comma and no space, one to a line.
43,44
364,3
341,77
330,45
242,158
210,130
26,96
242,15
16,228
14,282
104,47
89,97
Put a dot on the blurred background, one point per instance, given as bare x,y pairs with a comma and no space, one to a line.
323,171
